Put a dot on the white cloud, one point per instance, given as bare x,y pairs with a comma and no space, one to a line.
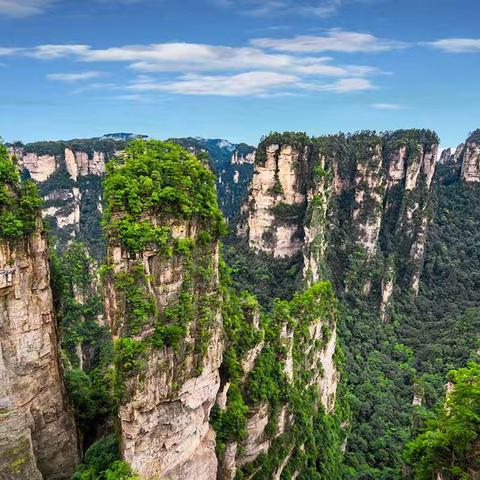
136,98
51,52
344,85
8,52
323,9
73,77
27,8
251,83
194,57
202,69
23,8
457,45
386,106
263,84
334,41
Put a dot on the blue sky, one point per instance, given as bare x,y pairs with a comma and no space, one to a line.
237,69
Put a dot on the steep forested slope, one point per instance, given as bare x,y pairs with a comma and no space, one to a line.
357,209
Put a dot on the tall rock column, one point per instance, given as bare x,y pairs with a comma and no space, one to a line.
163,307
37,430
273,215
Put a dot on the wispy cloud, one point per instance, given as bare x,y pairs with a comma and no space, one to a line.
456,45
387,106
23,8
251,83
134,97
333,41
319,8
194,57
322,9
28,8
262,67
344,85
8,52
262,84
73,77
54,51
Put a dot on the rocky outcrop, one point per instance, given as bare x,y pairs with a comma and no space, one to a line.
77,163
465,161
331,196
40,167
164,415
37,429
277,185
163,304
308,368
471,162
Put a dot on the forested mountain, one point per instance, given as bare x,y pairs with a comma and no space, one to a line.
312,339
397,236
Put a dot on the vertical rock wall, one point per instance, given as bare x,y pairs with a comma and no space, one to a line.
277,185
37,430
164,412
363,197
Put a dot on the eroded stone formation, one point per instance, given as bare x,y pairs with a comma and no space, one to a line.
465,161
37,430
165,409
162,301
334,198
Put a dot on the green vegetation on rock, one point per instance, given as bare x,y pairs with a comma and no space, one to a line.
159,179
19,200
449,444
102,462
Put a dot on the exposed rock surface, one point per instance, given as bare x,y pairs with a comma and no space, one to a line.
69,175
373,191
37,430
465,161
164,416
276,182
315,355
471,162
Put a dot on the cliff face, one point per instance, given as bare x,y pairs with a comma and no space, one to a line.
37,430
465,161
162,302
360,212
276,186
341,200
165,411
286,371
299,343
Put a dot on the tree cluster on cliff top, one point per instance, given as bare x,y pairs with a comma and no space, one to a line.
19,200
161,179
